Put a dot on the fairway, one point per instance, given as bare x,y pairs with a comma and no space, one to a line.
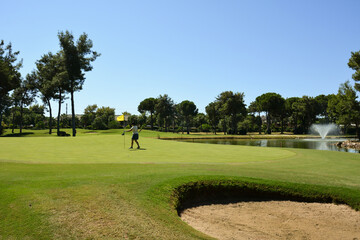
110,149
91,187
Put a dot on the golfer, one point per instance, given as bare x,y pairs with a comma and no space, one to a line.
134,128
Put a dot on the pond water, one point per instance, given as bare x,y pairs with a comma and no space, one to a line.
319,144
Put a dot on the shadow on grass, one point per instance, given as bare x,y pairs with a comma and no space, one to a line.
136,149
207,192
17,134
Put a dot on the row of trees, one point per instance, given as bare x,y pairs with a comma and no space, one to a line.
55,76
269,112
228,113
63,73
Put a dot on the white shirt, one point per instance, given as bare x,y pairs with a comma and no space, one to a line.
134,129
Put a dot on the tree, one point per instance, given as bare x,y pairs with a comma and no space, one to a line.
232,105
35,116
188,110
345,108
256,108
89,116
305,111
4,107
199,120
77,59
354,63
213,114
148,105
321,102
272,104
50,81
9,76
24,95
291,113
165,110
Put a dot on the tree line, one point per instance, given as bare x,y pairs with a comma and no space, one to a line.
61,74
56,75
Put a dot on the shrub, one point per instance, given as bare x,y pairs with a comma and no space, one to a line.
206,127
114,125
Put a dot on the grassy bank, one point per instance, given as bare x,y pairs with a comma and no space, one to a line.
91,187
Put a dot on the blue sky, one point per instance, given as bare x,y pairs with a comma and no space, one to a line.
193,49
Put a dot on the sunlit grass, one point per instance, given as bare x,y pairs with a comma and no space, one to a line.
92,187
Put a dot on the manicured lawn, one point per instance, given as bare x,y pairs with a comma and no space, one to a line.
91,187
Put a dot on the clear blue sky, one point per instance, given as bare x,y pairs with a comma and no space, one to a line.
193,49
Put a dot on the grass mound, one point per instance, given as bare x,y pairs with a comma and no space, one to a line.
227,191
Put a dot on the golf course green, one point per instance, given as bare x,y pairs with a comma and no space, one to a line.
94,187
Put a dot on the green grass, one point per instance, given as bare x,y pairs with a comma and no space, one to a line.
91,187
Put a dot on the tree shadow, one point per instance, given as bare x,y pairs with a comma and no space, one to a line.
17,134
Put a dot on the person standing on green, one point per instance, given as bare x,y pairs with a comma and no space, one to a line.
134,128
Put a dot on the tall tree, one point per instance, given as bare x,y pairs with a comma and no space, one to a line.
213,114
305,110
165,109
50,81
89,116
9,75
77,58
354,63
24,95
255,107
272,104
321,102
232,105
188,110
148,105
4,108
345,108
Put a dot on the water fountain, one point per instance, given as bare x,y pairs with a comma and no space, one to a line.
324,129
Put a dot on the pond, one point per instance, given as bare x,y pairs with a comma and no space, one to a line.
319,144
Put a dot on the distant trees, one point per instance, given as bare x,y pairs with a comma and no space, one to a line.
188,110
62,73
98,118
148,105
345,108
165,110
273,105
232,109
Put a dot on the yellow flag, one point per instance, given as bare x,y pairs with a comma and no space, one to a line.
120,118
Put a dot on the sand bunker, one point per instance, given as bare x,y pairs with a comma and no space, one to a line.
275,220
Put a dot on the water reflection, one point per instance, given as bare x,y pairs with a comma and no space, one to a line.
319,144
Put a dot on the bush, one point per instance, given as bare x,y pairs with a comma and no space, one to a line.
40,125
113,125
99,124
206,127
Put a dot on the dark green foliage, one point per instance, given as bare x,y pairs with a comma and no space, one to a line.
187,110
165,110
272,104
148,105
89,116
344,108
232,109
99,118
354,63
213,114
10,77
77,60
